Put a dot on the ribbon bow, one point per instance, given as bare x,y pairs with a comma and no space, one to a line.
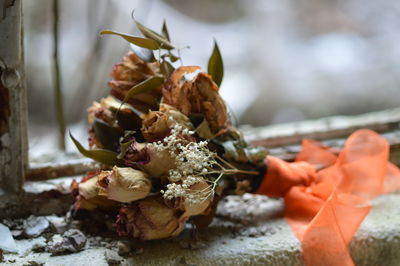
326,196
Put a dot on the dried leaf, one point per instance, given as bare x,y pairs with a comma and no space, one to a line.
142,42
102,156
165,30
173,58
123,148
215,65
158,38
166,68
108,135
144,86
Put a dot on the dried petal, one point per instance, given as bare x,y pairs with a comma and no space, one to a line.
148,219
89,189
130,72
107,109
192,209
157,124
160,163
87,194
199,95
127,184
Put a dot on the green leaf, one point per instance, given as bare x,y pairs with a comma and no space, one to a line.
142,42
160,39
215,65
100,155
166,68
108,135
171,56
124,147
144,86
165,30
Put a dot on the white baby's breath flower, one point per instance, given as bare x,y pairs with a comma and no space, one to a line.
193,161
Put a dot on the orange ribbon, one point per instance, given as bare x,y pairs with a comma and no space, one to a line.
326,196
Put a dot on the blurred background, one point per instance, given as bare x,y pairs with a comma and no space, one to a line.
285,60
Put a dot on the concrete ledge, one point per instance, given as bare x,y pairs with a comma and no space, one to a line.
248,230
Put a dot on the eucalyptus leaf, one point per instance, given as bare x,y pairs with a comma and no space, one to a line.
151,34
100,155
144,86
146,55
165,30
139,41
215,65
108,135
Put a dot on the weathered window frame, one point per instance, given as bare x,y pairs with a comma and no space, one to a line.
13,104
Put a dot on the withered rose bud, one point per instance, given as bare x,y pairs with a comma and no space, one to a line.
103,116
148,219
89,189
107,109
136,154
157,124
126,184
87,194
130,72
160,162
102,110
197,95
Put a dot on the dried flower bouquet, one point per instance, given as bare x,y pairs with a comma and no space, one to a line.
167,146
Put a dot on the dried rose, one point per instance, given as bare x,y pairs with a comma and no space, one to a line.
104,132
157,124
130,72
160,163
87,193
148,219
125,184
197,208
107,109
136,154
198,95
89,189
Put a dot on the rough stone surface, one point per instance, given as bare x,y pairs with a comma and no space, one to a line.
248,230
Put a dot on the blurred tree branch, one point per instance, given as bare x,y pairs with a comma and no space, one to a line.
58,100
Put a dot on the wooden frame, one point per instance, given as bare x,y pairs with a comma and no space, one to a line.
13,104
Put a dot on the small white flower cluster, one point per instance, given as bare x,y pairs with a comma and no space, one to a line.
193,161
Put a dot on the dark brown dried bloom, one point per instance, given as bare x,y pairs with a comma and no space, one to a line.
130,72
197,95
